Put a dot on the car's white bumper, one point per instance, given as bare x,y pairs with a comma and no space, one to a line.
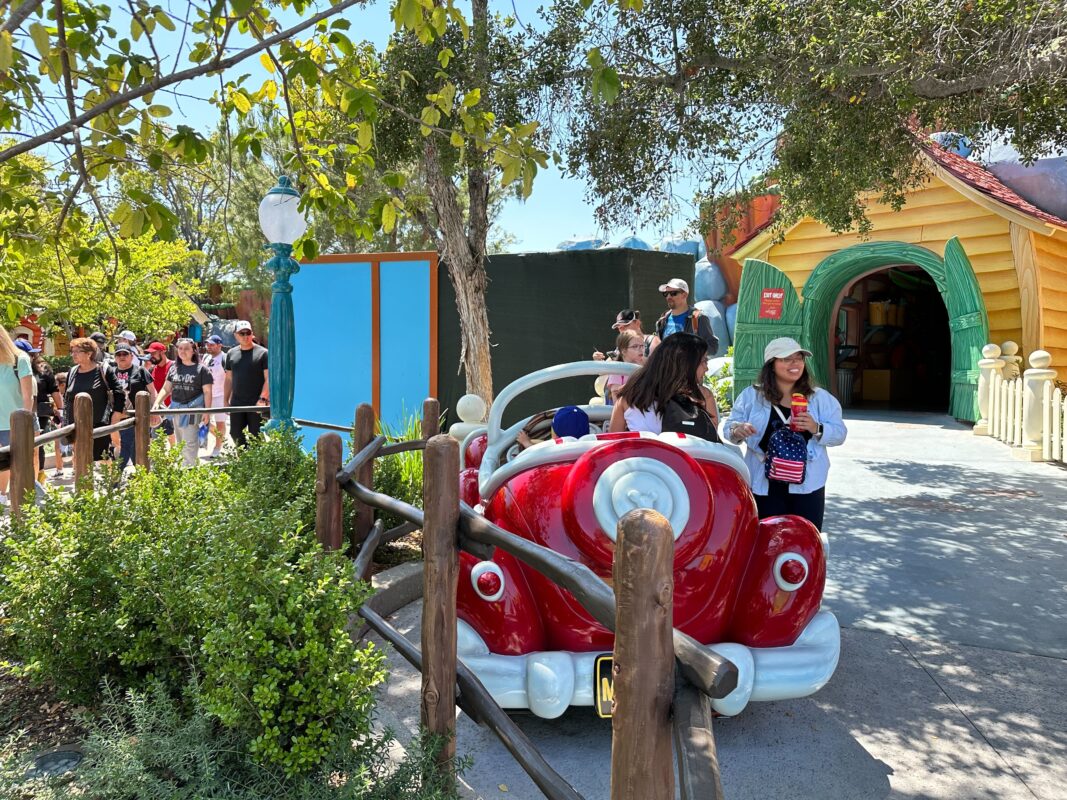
548,682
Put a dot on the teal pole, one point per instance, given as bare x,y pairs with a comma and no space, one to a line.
281,353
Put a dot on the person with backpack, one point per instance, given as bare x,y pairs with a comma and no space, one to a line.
99,382
680,317
786,451
134,379
188,385
668,393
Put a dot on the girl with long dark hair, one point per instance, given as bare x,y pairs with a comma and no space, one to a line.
672,379
766,406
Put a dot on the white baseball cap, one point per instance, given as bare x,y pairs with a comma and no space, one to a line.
129,336
242,325
782,347
675,283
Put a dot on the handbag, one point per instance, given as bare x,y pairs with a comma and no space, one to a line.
685,415
787,453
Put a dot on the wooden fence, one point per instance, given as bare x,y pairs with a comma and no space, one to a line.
1027,411
657,707
21,455
652,708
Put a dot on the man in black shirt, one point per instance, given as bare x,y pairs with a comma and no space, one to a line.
247,382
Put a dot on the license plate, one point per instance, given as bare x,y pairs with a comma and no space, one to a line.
604,681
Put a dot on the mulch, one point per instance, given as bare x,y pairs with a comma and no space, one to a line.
35,714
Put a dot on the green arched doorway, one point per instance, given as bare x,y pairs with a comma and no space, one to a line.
812,317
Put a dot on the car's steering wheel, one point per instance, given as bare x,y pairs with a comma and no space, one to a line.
500,441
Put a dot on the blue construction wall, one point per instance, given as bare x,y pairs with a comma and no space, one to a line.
363,335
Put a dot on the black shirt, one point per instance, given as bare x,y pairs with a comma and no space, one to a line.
46,387
187,381
100,384
133,380
248,368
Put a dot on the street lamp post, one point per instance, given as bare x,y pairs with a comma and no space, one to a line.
282,224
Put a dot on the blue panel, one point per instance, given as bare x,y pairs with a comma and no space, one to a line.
332,311
405,339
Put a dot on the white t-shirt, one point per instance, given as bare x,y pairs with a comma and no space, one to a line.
643,420
218,374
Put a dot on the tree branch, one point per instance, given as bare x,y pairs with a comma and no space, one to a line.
216,64
19,15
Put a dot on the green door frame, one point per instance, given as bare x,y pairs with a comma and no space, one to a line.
968,321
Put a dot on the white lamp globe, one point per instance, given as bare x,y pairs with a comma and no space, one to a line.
279,217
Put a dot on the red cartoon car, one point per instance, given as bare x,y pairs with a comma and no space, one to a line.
748,589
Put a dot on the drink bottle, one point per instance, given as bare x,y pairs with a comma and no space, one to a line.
799,404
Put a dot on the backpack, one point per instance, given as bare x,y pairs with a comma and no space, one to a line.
684,415
787,453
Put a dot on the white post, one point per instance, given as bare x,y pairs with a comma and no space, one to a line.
1034,381
1046,422
1012,360
987,365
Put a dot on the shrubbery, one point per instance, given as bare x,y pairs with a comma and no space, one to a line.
399,475
197,574
150,745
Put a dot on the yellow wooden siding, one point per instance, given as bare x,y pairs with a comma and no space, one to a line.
931,217
1051,257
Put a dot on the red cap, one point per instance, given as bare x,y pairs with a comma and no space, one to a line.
157,347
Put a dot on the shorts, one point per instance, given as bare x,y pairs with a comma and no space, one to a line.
5,436
219,419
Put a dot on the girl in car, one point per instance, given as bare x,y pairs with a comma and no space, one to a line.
668,392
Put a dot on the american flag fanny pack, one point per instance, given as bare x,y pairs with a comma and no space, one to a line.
787,454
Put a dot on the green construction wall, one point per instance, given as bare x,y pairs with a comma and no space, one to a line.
553,308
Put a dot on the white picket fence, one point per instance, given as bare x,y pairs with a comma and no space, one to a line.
1054,421
1026,411
1006,409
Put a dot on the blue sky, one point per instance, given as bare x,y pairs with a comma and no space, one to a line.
557,209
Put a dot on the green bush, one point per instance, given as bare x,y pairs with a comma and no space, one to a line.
398,475
204,573
722,385
151,746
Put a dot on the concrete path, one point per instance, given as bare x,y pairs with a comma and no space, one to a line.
948,571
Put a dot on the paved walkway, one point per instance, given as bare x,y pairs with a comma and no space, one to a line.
948,571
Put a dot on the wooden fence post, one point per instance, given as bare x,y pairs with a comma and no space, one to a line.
364,433
328,523
642,766
440,482
142,430
83,439
23,461
431,418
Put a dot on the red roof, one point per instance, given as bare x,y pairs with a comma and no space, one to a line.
987,183
974,175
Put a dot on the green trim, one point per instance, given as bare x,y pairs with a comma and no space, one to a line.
752,334
955,281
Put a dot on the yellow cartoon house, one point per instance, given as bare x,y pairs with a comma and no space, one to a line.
899,318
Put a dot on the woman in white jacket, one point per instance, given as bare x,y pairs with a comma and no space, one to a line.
785,372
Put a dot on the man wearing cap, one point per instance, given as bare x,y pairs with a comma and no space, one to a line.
629,319
680,316
247,382
133,378
159,365
213,359
130,338
101,343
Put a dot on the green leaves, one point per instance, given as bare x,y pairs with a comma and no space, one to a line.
604,80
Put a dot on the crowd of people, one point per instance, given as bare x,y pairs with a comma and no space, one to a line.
200,382
784,422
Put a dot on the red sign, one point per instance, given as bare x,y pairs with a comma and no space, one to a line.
770,303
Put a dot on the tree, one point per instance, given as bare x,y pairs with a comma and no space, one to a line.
829,100
117,84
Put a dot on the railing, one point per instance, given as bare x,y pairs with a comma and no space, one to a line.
20,454
1026,410
640,614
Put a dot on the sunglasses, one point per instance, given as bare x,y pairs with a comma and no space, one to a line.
673,293
244,333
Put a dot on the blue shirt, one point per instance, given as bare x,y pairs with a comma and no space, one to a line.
675,324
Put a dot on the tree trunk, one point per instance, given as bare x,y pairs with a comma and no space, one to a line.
464,256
